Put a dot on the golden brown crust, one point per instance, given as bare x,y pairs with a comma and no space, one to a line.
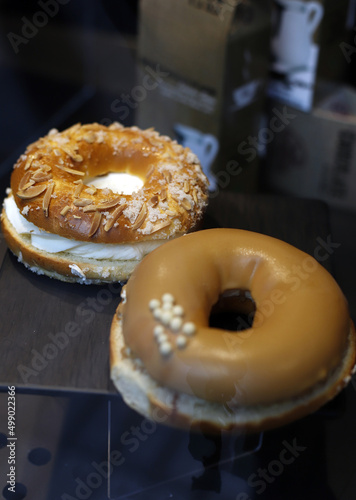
50,179
62,266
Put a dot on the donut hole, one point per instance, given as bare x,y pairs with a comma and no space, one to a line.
118,182
234,311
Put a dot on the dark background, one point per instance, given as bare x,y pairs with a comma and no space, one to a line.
72,69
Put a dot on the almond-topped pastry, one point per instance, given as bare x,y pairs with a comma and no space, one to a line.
86,204
165,357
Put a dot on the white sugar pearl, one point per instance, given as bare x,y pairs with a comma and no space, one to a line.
157,313
167,306
154,304
168,297
189,328
166,317
178,310
165,348
176,324
161,338
181,341
158,330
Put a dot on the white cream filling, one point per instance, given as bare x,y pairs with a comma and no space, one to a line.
53,243
119,183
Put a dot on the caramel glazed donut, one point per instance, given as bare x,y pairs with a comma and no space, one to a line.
170,366
62,217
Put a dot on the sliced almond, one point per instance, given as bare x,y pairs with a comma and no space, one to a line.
186,187
78,189
77,157
29,162
31,192
90,190
38,171
72,129
186,204
47,198
89,137
95,224
154,200
167,176
163,194
41,177
28,184
99,137
82,202
157,144
150,171
140,218
24,180
90,208
76,216
108,204
70,170
65,210
114,216
181,210
116,126
179,206
70,152
195,196
159,226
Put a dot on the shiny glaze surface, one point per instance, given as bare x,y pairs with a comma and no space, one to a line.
300,329
170,203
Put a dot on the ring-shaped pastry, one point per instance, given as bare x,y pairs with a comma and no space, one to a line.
53,189
298,353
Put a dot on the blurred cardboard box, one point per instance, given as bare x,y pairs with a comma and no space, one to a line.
305,47
213,58
315,155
